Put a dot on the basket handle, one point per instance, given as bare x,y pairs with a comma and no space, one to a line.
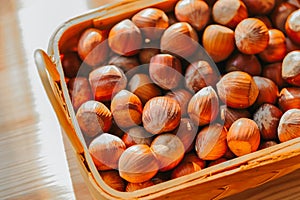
44,65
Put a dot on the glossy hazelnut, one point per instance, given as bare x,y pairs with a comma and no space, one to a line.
106,81
168,150
80,91
281,13
273,72
186,132
211,142
267,144
142,86
289,125
290,45
265,19
92,47
194,12
106,150
267,118
237,89
218,41
125,38
165,71
71,63
259,7
203,107
112,179
152,22
146,54
138,186
179,39
126,109
294,2
229,115
291,68
128,64
292,26
251,36
276,49
200,74
193,158
94,118
161,114
289,98
138,164
243,137
137,135
243,62
182,96
229,12
184,169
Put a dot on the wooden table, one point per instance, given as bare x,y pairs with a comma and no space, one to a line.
36,160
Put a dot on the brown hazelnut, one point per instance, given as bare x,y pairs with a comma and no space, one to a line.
251,36
243,137
71,63
80,91
281,13
142,86
183,97
289,98
185,168
267,118
93,118
137,135
203,107
146,54
229,115
193,158
112,179
273,72
259,7
179,39
290,45
168,150
292,26
161,114
243,62
211,142
125,38
165,71
106,81
294,2
92,47
137,186
126,109
237,89
128,64
106,150
218,41
194,12
229,12
267,144
200,74
186,132
152,22
138,164
265,19
291,68
289,125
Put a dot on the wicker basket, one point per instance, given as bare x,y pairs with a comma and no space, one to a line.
214,182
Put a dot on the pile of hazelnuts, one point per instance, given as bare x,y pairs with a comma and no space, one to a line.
162,95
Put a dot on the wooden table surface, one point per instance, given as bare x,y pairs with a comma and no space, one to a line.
36,159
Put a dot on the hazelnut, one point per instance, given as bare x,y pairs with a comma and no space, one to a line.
179,39
168,150
106,81
137,186
137,135
112,179
193,158
161,114
259,7
229,12
200,74
92,47
165,71
276,48
106,150
292,26
243,62
229,115
161,177
291,68
71,63
142,86
138,164
289,125
94,118
183,97
184,169
294,2
128,64
125,38
194,12
237,89
265,19
251,36
273,72
203,107
281,13
152,22
267,144
211,142
126,109
289,98
267,118
218,41
80,91
243,137
146,54
290,45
